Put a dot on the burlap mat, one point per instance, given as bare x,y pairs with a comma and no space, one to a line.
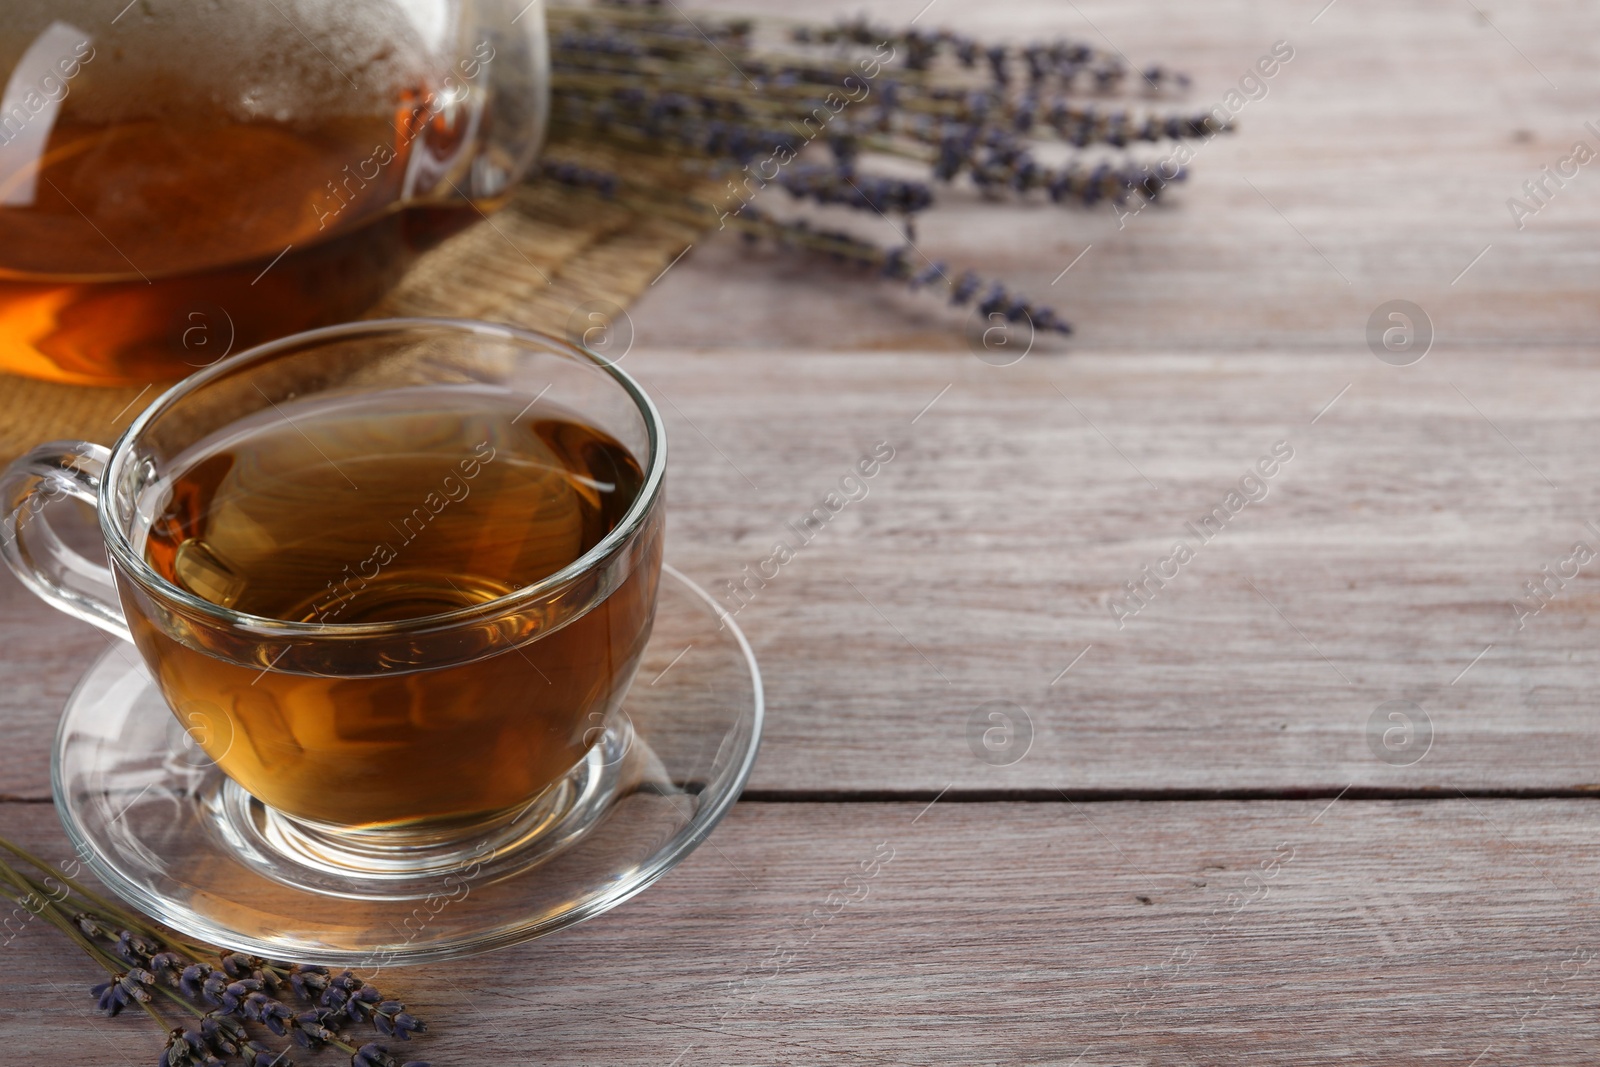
531,265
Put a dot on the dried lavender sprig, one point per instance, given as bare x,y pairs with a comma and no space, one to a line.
1076,183
1001,162
1082,126
714,139
131,986
30,892
755,224
312,1028
734,30
579,177
841,185
785,83
957,150
946,148
218,1034
995,167
243,984
1075,124
630,73
375,1055
651,99
107,907
589,63
1061,59
896,264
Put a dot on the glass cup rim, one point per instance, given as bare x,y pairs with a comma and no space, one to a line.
643,504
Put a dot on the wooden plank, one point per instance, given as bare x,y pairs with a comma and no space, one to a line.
1395,550
1099,934
1382,565
1378,166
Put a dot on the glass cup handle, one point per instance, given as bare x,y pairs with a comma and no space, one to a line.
35,553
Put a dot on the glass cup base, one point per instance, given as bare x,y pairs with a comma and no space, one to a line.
400,864
163,828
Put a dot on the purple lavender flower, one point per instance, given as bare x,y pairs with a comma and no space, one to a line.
214,984
339,988
133,948
308,982
122,990
315,1027
167,965
237,965
273,1014
258,1055
222,1035
234,994
241,987
193,980
840,185
999,63
581,177
179,1052
377,1056
110,997
360,1005
392,1020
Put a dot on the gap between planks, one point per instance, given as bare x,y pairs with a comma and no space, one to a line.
1110,796
1164,796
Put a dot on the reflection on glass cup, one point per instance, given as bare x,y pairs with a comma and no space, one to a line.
394,577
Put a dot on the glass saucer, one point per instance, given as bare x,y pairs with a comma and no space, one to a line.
161,826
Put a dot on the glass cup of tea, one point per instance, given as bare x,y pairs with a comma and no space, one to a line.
394,577
181,178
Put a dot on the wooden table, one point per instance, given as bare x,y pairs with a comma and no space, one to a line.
1206,854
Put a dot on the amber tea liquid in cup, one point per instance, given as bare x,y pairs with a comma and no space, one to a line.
395,577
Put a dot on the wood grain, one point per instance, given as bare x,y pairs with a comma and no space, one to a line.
1098,934
1377,167
1381,566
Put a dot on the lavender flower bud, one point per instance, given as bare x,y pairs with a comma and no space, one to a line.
178,1052
192,977
999,64
965,289
235,993
928,275
258,1055
166,964
110,997
216,983
133,948
361,1001
308,982
237,964
274,1014
372,1055
133,985
222,1035
314,1028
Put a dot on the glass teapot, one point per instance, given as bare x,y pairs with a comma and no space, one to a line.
185,178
